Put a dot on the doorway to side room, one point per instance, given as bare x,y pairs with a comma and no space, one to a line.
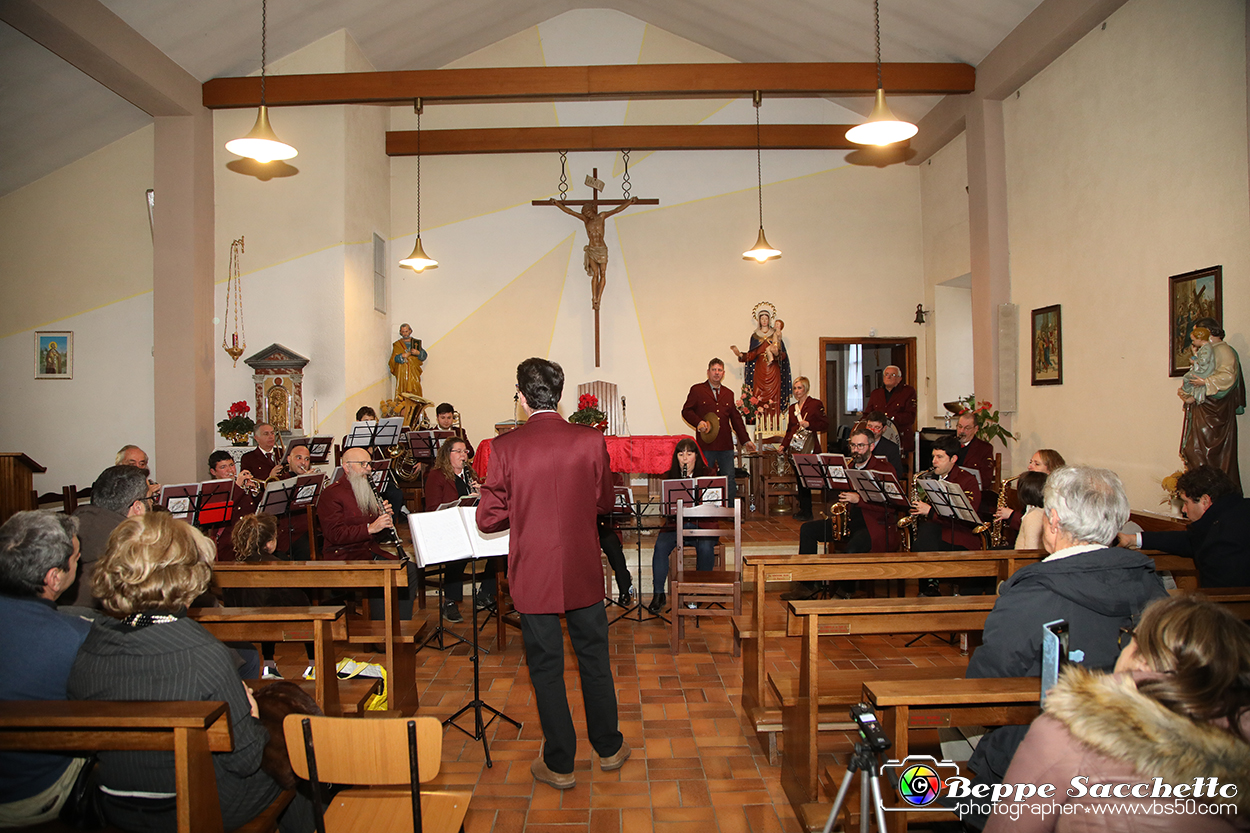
854,368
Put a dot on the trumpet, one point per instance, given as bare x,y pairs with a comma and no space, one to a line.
251,485
995,527
908,523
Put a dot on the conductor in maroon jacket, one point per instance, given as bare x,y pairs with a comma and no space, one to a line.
548,482
712,397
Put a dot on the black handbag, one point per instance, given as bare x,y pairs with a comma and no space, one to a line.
83,809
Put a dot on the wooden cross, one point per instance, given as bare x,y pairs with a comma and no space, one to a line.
596,260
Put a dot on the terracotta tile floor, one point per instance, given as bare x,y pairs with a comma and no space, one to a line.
695,767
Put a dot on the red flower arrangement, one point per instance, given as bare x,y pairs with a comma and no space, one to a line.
237,424
988,428
588,412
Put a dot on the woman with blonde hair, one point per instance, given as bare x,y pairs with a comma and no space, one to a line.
153,568
1176,711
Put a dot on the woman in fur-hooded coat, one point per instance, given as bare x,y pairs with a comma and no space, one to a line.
1177,709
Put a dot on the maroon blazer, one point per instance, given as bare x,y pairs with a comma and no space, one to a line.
548,482
439,490
346,530
900,406
258,464
701,401
223,534
958,533
979,455
882,521
814,413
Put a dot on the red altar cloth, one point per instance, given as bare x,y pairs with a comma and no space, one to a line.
640,455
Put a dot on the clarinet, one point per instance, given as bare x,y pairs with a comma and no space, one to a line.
399,545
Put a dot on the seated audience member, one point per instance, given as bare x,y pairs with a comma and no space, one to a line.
1096,588
1030,488
256,539
1218,537
450,479
1177,710
686,463
38,559
132,455
881,447
261,460
221,466
155,566
1044,460
119,493
445,414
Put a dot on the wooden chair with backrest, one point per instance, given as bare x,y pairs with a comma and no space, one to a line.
717,592
399,753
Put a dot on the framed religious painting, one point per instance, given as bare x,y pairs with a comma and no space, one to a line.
54,354
1047,346
1191,296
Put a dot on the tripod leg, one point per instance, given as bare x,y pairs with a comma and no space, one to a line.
876,796
863,802
837,802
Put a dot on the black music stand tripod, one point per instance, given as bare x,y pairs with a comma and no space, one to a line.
477,704
439,631
644,615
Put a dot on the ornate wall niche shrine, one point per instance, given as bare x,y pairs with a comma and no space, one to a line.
279,376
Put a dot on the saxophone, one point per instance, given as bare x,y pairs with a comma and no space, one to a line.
996,538
907,524
838,512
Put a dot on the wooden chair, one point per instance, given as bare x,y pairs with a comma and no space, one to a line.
401,753
711,589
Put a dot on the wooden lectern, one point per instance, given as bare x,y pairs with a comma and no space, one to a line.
17,489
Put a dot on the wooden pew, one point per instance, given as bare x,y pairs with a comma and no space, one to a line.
754,629
905,704
814,701
319,625
399,638
191,730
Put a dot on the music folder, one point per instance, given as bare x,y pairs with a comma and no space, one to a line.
199,503
319,450
881,488
949,501
692,491
622,501
821,471
450,534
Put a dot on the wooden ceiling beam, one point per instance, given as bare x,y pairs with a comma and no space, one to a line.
633,137
661,81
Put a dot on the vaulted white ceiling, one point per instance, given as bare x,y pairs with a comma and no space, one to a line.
52,114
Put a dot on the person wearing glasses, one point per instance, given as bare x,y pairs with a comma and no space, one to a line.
351,514
897,401
451,479
1099,590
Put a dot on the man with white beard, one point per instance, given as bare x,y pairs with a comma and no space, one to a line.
351,514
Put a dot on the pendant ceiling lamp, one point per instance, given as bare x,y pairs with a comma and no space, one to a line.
262,144
882,127
419,261
761,251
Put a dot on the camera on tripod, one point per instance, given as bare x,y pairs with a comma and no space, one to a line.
869,728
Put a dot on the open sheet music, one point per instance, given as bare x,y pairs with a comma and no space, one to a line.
692,491
451,534
367,434
878,487
199,503
949,500
821,471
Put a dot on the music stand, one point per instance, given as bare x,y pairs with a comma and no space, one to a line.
425,444
826,472
638,510
950,501
319,449
477,704
188,501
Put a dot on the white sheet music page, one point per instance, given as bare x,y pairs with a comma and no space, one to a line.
439,536
484,543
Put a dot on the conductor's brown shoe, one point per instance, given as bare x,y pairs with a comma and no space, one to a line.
615,761
543,773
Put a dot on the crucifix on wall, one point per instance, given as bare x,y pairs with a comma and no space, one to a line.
596,260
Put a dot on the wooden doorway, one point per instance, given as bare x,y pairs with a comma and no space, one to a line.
851,369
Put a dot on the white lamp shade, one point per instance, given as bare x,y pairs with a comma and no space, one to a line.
261,143
882,127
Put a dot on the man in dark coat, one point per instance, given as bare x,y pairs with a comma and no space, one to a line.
547,483
1218,537
1097,589
897,400
117,494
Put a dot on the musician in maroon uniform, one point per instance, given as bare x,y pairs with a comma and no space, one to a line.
979,455
897,401
808,413
262,459
934,533
351,514
712,397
